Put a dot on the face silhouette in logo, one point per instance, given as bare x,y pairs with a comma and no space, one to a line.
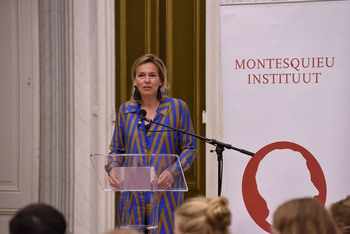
255,203
283,175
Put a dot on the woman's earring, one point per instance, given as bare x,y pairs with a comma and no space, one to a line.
159,93
137,94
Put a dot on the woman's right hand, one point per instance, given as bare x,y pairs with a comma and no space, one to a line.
112,178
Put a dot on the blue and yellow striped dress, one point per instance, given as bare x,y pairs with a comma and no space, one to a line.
128,139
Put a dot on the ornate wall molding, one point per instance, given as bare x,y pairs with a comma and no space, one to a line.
56,106
76,106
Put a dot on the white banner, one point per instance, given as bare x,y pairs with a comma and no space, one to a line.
286,96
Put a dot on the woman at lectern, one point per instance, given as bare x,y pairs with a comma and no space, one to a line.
134,136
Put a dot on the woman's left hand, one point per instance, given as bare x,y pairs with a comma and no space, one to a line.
165,180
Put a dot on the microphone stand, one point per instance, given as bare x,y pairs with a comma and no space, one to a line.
219,148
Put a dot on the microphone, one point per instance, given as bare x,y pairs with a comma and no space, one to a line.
142,116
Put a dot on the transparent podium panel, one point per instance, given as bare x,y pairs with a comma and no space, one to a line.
137,177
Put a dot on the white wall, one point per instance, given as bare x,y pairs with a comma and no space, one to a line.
73,41
94,104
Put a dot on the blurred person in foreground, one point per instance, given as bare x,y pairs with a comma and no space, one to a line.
123,231
303,215
200,215
340,212
38,219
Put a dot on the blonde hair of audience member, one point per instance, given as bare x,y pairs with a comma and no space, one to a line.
123,231
303,215
200,215
340,212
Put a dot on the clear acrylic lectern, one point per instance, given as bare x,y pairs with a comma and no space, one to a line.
138,173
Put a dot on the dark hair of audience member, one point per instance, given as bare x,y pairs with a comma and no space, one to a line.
340,212
38,219
200,215
303,215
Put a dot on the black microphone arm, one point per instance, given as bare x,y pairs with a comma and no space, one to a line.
220,147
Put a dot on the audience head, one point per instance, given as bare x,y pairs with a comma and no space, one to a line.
38,219
203,216
123,231
303,215
340,212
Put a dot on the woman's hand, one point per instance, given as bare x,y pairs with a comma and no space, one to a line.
112,178
165,180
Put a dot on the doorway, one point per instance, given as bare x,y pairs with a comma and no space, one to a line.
175,31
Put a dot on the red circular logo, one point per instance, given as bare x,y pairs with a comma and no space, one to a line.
254,202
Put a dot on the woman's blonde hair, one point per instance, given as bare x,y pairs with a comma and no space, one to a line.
203,216
303,215
162,71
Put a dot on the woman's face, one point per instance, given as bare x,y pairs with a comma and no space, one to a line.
147,80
